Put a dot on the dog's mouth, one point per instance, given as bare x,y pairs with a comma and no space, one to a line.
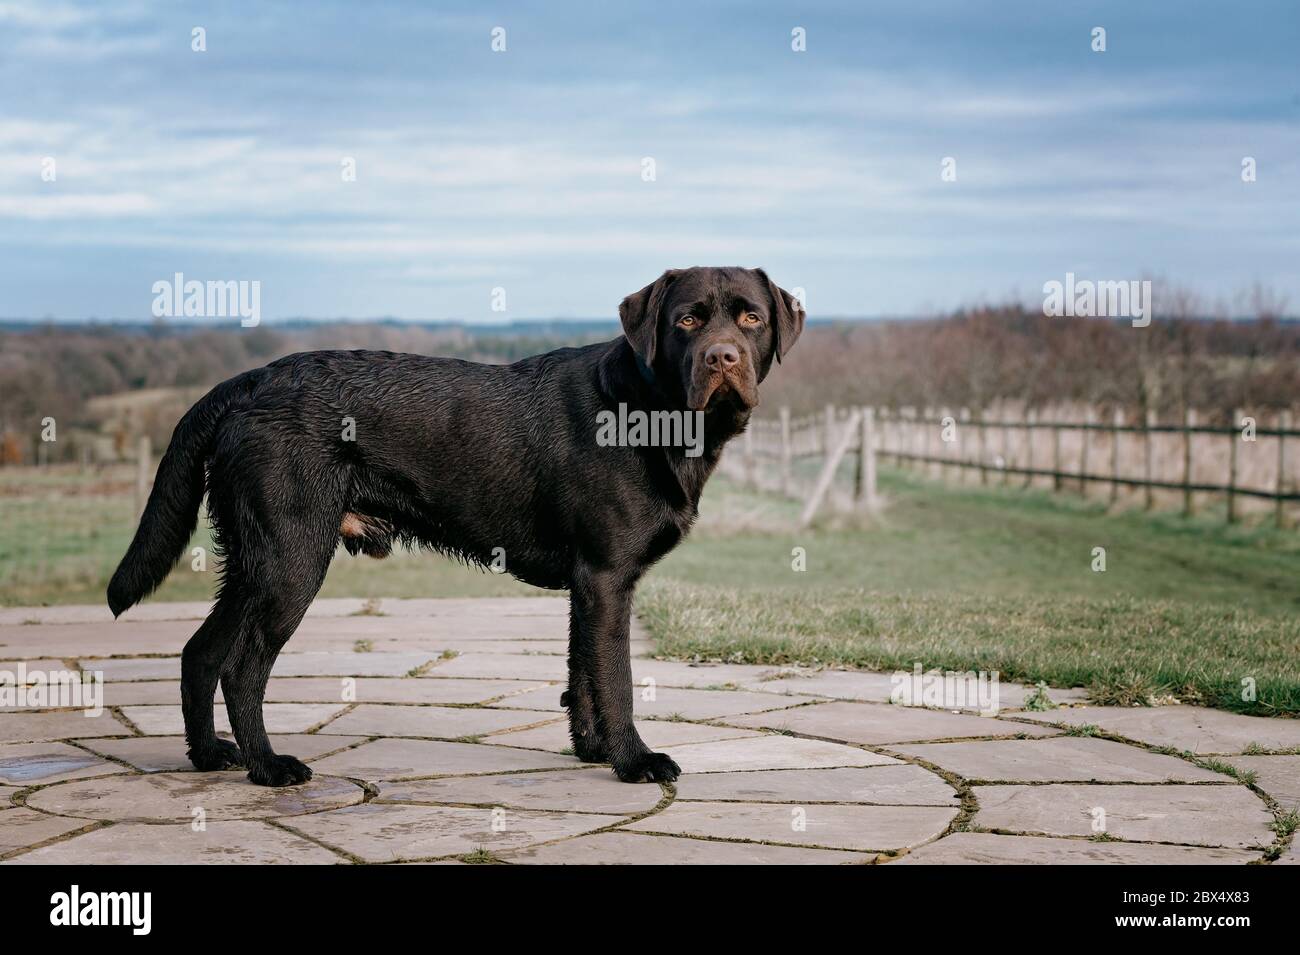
709,389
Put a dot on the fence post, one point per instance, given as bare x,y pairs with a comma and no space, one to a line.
1115,434
961,445
944,413
1283,425
926,437
1147,472
1056,450
830,429
867,460
983,448
1083,452
1006,448
786,481
1189,422
142,469
1234,436
833,457
1031,422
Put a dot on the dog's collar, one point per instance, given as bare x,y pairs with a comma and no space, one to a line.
646,371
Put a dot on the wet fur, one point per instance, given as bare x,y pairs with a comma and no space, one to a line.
457,457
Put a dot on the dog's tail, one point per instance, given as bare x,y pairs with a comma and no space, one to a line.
173,509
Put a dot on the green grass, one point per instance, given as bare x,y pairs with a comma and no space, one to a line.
992,579
955,578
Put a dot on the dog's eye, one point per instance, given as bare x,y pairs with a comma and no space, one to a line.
688,321
750,318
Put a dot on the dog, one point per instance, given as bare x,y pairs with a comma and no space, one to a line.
376,448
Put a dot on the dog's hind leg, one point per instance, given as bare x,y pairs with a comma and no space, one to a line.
285,589
201,663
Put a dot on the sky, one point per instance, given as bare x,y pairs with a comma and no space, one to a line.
525,170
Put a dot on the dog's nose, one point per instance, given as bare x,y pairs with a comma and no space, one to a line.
721,357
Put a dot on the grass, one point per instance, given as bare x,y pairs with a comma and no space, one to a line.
955,578
992,579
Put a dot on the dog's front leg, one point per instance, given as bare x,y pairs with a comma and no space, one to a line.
580,697
601,603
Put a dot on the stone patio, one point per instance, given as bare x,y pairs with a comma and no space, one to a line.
436,735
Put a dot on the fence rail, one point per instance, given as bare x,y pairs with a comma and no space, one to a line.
1249,460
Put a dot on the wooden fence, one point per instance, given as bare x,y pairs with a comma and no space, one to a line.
1188,459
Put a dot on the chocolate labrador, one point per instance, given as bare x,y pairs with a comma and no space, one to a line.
485,463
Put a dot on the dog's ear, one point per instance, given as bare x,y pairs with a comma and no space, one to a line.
787,315
639,313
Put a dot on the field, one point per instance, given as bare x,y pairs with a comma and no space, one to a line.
961,578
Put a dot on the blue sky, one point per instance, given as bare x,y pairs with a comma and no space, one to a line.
523,169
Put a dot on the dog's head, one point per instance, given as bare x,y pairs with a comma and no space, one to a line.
710,334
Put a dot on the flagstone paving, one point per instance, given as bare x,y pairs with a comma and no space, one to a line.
436,734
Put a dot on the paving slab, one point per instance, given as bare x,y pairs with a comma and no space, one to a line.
443,722
862,828
158,754
279,718
406,758
1059,759
902,785
630,848
173,797
869,687
93,641
664,702
1228,816
770,752
33,764
489,607
134,668
699,676
1195,729
151,693
978,848
541,697
499,666
31,671
22,828
1279,776
550,648
26,726
390,691
379,832
99,614
396,690
874,724
350,664
657,734
837,684
219,843
577,790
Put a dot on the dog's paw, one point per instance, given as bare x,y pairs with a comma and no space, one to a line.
280,771
218,754
648,768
